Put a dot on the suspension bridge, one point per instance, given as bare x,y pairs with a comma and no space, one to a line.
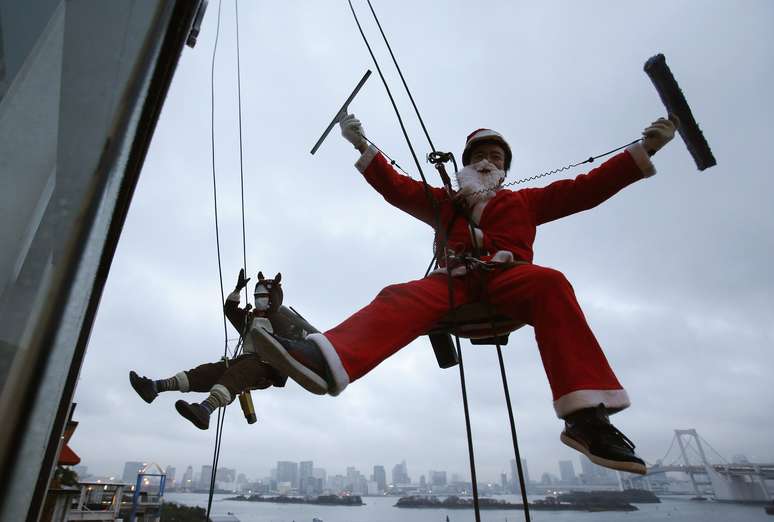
728,481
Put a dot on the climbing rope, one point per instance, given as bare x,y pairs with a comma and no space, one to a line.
216,452
442,241
222,410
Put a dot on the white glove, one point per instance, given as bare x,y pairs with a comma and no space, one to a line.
659,133
352,130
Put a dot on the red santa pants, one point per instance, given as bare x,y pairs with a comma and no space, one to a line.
577,370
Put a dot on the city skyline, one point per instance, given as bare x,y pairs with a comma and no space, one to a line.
564,473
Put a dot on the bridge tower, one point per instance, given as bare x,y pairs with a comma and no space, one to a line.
734,484
679,434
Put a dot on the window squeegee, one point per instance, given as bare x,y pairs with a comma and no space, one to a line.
342,112
675,103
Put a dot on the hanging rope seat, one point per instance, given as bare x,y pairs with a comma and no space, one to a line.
479,322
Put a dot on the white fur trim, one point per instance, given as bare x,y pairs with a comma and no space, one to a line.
502,256
248,344
612,399
262,322
366,158
641,158
235,296
182,382
340,376
221,394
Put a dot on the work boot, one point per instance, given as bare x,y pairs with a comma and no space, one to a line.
196,413
301,360
590,432
144,387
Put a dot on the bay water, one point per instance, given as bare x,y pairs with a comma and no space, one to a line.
380,509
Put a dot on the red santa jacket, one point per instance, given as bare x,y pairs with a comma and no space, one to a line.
510,219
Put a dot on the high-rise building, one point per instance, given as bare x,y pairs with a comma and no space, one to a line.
567,472
596,475
306,483
287,472
321,476
131,469
337,483
205,477
380,477
400,474
515,476
226,475
187,481
437,478
170,476
353,478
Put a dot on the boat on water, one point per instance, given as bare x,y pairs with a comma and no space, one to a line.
229,517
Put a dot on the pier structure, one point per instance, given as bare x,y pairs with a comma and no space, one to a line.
148,494
98,502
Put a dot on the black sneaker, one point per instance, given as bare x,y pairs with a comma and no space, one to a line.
144,387
590,432
196,413
301,360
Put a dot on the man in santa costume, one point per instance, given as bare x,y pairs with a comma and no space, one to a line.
502,223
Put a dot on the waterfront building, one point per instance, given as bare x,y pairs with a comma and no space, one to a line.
515,486
380,477
400,474
321,478
131,469
567,472
437,478
306,482
187,482
225,479
204,478
596,475
337,483
170,480
287,472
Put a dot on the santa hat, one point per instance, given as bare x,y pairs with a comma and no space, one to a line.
486,135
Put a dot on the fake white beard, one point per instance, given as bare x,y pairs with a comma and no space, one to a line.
479,181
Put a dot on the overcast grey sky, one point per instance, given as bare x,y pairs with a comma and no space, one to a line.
674,273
